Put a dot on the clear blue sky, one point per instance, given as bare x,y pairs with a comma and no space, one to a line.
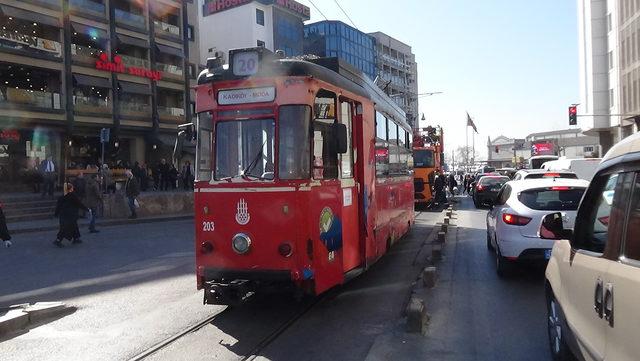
512,64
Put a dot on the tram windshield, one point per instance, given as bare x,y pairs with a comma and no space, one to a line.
245,148
423,158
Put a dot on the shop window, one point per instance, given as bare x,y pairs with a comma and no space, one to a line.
325,155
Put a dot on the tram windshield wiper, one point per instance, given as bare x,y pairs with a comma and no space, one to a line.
254,162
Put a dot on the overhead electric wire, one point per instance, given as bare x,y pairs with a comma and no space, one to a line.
314,5
345,14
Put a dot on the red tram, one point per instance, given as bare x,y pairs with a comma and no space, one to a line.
304,175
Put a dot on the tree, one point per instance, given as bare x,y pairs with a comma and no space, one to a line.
462,153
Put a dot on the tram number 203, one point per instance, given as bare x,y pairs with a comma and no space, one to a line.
208,226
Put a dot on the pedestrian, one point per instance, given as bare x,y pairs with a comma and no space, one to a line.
67,209
438,186
452,184
144,177
92,201
163,171
80,186
4,231
132,190
187,176
48,170
36,175
173,176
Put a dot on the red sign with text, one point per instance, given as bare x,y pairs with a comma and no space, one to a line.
542,148
116,66
217,6
10,135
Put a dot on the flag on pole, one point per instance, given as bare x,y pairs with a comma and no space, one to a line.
470,123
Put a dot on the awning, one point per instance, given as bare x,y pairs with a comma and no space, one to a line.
91,81
29,15
132,41
135,88
596,131
170,50
89,30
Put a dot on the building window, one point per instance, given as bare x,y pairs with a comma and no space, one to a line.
611,102
259,17
609,26
610,60
191,35
261,43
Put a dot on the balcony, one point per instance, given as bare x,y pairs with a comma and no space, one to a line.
169,69
84,54
28,43
91,104
133,61
170,113
88,6
162,27
30,98
135,109
127,18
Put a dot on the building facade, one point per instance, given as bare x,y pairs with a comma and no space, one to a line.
69,68
397,72
274,24
505,152
609,45
336,39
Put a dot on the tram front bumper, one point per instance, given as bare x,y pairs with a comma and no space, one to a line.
229,287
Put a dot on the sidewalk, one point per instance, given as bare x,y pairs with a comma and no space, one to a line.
52,223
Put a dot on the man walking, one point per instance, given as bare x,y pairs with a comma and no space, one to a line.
48,170
132,190
187,176
92,201
67,209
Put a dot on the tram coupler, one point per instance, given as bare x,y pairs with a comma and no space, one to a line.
228,293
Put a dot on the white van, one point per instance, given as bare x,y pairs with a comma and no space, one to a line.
584,168
537,161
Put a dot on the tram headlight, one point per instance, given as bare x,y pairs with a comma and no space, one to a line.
241,243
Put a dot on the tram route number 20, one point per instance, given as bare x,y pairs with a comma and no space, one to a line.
208,226
245,63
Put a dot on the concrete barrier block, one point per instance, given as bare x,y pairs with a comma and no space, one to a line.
12,321
442,236
41,311
446,220
416,316
429,277
444,228
448,214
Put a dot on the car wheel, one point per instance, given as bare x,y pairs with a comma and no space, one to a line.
556,330
503,265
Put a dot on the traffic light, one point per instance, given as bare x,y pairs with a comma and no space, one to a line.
573,115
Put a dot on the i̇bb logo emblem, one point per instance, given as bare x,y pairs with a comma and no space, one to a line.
242,213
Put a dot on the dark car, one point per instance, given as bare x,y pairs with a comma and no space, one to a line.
487,188
476,178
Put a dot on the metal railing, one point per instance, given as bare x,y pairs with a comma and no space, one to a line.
82,51
136,108
34,98
171,111
132,61
15,40
84,103
167,28
168,68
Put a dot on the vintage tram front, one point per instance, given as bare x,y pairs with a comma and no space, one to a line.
285,178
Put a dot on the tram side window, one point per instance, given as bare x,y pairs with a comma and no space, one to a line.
382,147
346,159
325,155
394,152
293,154
205,150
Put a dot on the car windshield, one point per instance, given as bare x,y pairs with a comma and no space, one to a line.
423,158
552,199
245,148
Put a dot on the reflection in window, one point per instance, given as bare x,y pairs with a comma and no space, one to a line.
245,148
293,156
325,155
346,162
595,234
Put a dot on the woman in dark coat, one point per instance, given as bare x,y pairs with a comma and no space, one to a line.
67,209
5,237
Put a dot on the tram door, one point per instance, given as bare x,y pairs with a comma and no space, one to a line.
350,188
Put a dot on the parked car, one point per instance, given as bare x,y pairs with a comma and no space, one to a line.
584,168
541,173
477,177
593,276
487,189
514,220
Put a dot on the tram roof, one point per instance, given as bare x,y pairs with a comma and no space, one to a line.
331,70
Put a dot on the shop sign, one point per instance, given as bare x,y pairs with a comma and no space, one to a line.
217,6
246,96
294,6
9,135
34,42
542,148
116,66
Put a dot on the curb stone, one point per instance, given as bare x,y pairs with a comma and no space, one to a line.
19,317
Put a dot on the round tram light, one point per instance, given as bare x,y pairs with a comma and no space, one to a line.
285,249
206,247
241,243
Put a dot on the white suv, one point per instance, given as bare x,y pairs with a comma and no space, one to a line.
593,276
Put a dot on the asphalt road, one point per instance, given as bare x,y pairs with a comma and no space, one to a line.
475,315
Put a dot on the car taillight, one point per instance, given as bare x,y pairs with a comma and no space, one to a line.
515,220
480,187
559,188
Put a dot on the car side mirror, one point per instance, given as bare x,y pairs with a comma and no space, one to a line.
552,227
341,138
